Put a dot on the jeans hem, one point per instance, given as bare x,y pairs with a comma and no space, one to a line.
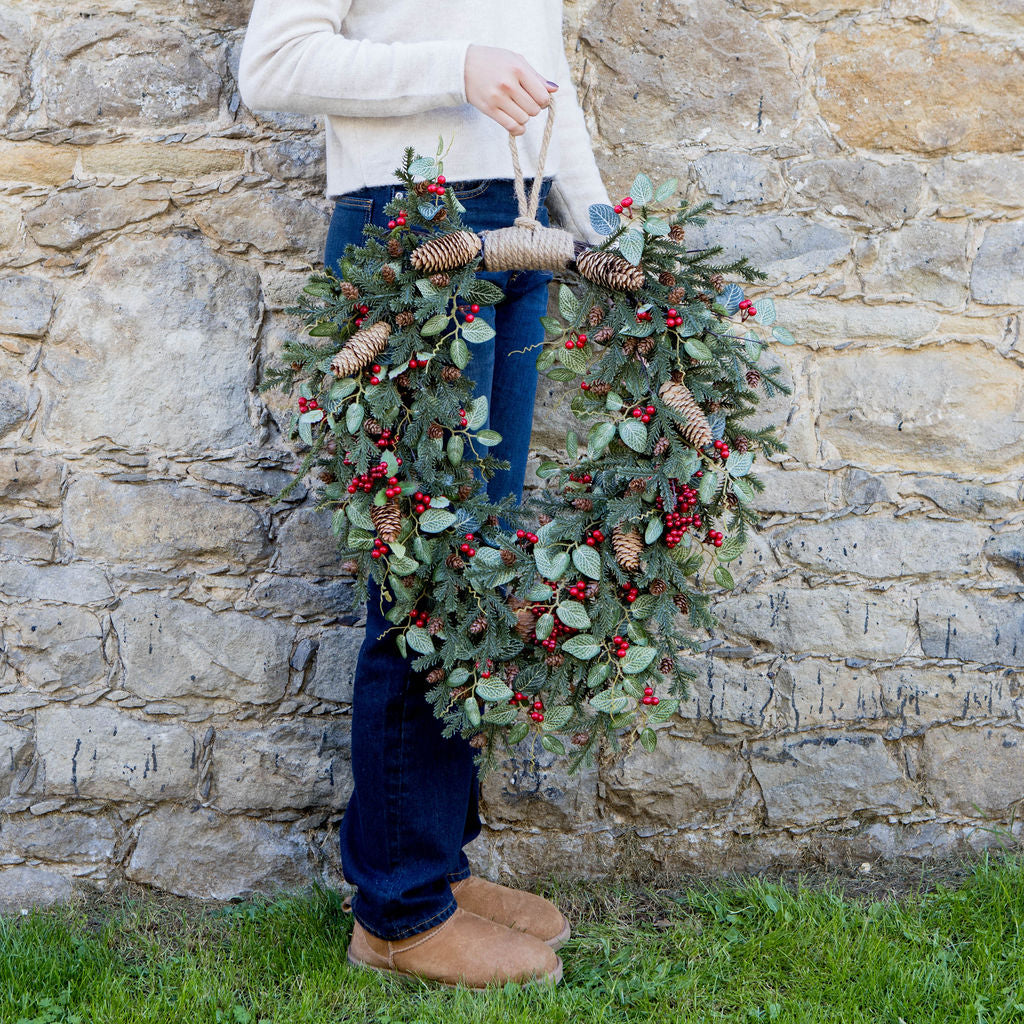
404,933
458,876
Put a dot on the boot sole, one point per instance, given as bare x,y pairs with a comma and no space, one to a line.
554,977
561,938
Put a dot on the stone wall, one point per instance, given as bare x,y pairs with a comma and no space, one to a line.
176,659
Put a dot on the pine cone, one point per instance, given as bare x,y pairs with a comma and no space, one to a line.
387,273
442,214
606,268
327,477
479,739
658,587
753,377
600,387
580,739
491,520
508,556
627,545
667,279
595,316
696,429
453,561
718,283
637,485
666,665
677,295
372,427
708,300
543,518
526,620
591,589
406,318
296,366
554,659
645,346
465,492
450,374
402,380
677,232
478,625
363,347
583,504
394,248
441,280
446,252
387,518
742,443
350,566
680,602
629,345
421,188
434,625
435,675
511,671
332,447
662,445
349,290
604,335
435,430
731,500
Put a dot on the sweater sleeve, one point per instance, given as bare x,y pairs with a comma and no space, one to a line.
577,183
294,58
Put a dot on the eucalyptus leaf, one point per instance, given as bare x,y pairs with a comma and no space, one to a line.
603,218
631,245
642,191
587,561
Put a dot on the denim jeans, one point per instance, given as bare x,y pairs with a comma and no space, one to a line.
414,803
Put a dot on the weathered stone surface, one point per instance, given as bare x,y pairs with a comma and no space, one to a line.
965,625
185,163
737,177
1005,16
289,765
902,410
31,543
833,775
59,837
29,478
182,321
682,783
54,646
13,406
728,693
269,222
157,523
789,490
335,667
72,216
1007,549
865,190
23,886
977,185
26,302
296,158
882,546
534,787
306,545
103,753
864,489
115,70
922,261
172,648
942,91
15,747
291,595
997,277
787,247
36,162
961,497
209,855
819,321
824,619
77,583
644,96
974,772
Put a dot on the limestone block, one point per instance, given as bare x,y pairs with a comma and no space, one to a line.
208,855
976,185
172,648
29,478
306,545
13,406
158,523
861,488
174,161
122,71
269,222
101,753
15,46
971,627
552,417
335,667
789,490
729,693
291,595
737,177
820,322
1007,549
54,646
26,302
909,410
1005,16
882,546
87,838
864,190
36,162
15,748
296,159
827,620
963,497
178,327
974,772
820,778
228,15
278,767
70,217
77,583
997,277
942,91
32,543
23,886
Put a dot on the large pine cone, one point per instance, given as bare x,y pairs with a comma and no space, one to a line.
696,429
627,545
387,518
609,269
363,347
450,374
446,252
406,318
349,290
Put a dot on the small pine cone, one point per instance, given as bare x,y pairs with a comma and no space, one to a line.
406,318
387,518
662,445
666,665
478,740
435,430
714,405
478,625
491,520
591,589
453,561
580,739
629,346
508,556
450,374
677,376
387,273
465,491
627,544
394,248
554,659
349,290
645,346
583,504
658,587
543,519
434,625
511,671
708,300
742,443
667,279
421,188
332,447
600,387
731,500
327,476
604,335
435,675
603,267
372,427
718,283
402,380
446,252
363,347
677,295
677,232
441,214
696,430
525,622
595,316
680,602
440,280
296,366
350,566
753,377
637,485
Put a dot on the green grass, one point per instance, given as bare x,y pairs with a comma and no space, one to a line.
740,949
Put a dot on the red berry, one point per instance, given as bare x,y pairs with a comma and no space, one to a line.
392,224
441,179
470,318
628,201
618,208
474,308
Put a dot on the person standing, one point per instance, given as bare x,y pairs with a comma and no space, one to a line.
385,77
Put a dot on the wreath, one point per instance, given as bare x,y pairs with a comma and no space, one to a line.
571,620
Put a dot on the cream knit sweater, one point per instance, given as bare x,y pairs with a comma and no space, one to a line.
387,74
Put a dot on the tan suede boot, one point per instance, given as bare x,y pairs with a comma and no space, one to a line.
464,950
521,911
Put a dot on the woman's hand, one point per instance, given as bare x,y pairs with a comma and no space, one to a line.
501,84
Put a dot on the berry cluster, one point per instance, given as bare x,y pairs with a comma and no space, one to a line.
747,308
308,405
486,674
678,521
399,221
643,413
622,647
436,187
466,548
414,363
714,537
624,204
630,592
526,535
379,548
585,478
418,618
578,590
363,310
366,480
643,315
537,714
649,697
422,501
579,341
394,487
387,439
593,537
473,308
722,448
673,319
462,418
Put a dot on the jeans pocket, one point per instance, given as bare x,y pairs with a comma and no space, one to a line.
351,214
